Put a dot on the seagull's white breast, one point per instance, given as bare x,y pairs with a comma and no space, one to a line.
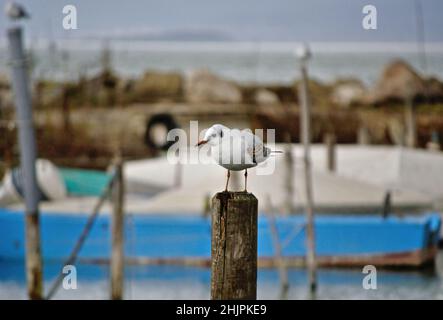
237,150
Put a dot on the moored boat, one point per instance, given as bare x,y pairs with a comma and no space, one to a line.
341,240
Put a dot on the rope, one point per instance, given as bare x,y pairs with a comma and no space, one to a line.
81,240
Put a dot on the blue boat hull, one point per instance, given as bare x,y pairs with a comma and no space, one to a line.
174,238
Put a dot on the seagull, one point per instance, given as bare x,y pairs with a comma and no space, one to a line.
235,149
15,11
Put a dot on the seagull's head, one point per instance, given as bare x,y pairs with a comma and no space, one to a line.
213,135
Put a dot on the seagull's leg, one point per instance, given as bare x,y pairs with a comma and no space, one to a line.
246,179
227,180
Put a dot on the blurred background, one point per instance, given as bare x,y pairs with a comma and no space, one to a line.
133,70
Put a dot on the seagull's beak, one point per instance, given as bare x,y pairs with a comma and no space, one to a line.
202,142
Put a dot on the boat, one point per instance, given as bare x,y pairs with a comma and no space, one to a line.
84,182
57,183
50,183
156,239
167,223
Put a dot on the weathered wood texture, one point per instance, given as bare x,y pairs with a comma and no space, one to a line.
117,258
234,246
34,274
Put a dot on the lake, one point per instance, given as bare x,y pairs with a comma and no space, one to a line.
171,282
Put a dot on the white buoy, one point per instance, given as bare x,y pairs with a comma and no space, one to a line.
49,181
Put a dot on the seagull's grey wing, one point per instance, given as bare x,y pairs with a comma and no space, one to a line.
255,148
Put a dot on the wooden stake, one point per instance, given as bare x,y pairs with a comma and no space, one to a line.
66,110
306,139
289,176
34,274
234,246
363,136
117,257
411,128
330,151
386,210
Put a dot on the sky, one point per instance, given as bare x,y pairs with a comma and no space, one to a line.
234,20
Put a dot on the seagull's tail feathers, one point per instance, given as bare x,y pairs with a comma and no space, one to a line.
274,152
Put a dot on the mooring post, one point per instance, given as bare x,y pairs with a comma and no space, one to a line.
117,256
411,127
20,85
386,210
289,176
234,246
305,133
329,141
363,136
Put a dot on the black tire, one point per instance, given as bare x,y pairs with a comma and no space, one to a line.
168,122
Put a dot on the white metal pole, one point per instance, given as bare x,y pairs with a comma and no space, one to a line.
20,85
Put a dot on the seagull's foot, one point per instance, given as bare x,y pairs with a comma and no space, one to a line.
246,181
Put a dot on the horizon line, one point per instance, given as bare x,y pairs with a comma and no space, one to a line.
236,45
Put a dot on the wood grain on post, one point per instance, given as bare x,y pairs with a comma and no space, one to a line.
234,246
117,256
34,274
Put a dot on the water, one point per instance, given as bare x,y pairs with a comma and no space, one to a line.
243,62
171,282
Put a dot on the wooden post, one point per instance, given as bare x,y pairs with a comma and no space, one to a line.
330,151
234,246
289,176
117,257
363,136
66,110
386,210
305,134
411,129
20,85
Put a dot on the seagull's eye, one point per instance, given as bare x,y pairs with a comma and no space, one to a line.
213,135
